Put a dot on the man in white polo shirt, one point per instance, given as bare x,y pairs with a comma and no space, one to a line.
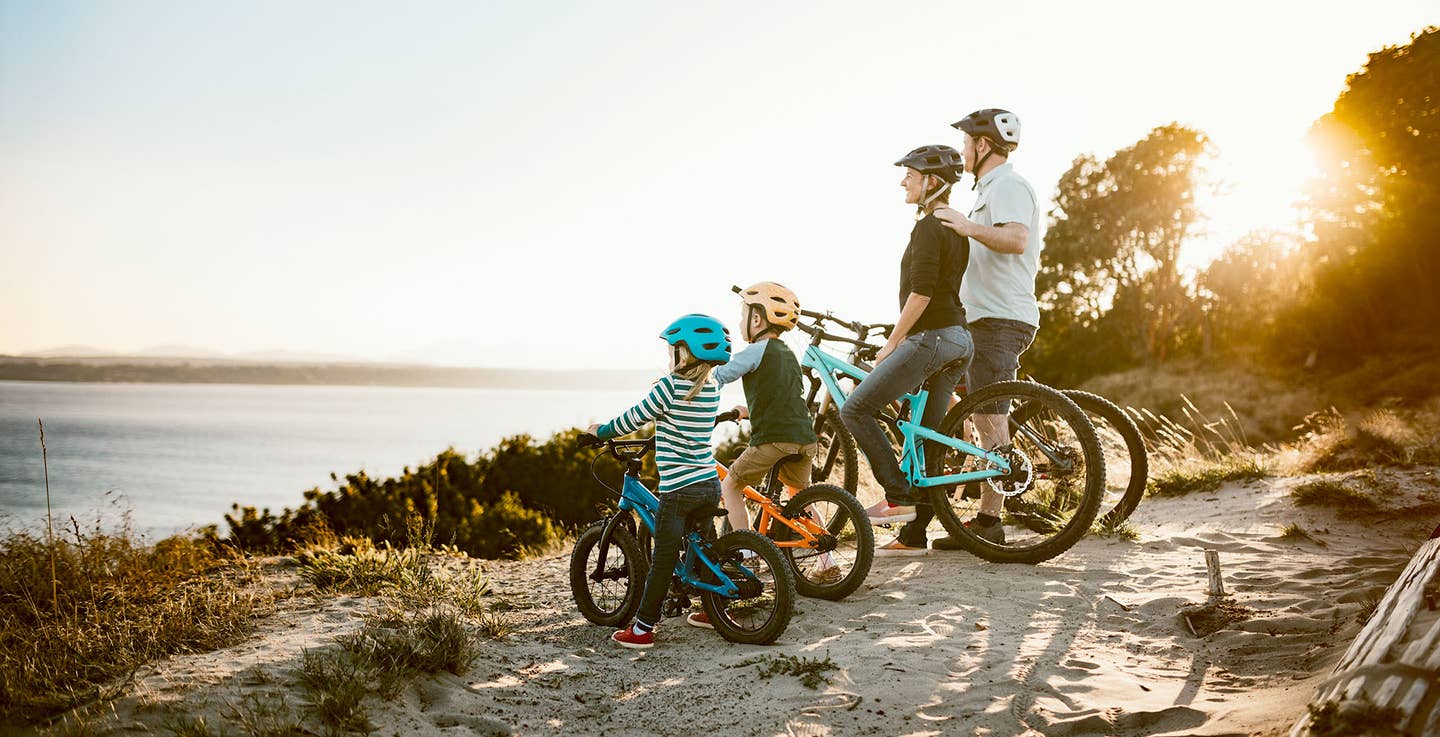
998,292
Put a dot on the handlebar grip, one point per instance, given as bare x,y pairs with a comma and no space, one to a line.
590,441
812,315
730,416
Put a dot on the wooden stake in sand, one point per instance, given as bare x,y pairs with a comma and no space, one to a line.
1212,563
49,525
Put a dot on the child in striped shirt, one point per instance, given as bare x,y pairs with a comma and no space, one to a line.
683,405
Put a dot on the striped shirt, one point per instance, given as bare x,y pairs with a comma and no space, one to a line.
682,429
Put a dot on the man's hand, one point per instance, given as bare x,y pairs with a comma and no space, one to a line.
741,411
955,221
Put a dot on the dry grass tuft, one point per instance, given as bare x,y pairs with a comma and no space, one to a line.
122,602
1337,492
1181,477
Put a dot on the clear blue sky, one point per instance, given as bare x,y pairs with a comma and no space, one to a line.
546,184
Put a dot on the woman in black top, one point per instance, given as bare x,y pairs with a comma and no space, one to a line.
929,335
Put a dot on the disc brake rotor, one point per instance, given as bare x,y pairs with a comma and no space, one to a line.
1020,478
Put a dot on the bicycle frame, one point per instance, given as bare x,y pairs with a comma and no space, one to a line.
912,453
808,530
636,499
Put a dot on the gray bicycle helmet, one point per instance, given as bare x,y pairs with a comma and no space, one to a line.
1000,126
941,161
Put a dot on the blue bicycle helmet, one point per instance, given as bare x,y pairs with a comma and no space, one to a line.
706,338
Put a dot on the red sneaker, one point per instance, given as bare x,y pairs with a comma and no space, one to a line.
699,619
628,638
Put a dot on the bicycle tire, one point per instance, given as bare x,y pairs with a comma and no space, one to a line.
633,567
846,505
1112,515
1089,451
836,453
727,552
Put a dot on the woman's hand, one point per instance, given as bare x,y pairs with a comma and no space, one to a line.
741,411
887,349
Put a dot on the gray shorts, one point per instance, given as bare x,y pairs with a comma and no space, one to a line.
998,345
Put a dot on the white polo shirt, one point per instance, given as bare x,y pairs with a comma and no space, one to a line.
1003,284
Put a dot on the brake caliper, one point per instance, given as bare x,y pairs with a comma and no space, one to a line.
1020,477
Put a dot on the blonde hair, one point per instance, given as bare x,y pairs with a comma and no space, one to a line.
684,365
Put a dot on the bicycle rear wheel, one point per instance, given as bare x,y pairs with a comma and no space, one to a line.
1127,466
612,598
766,602
840,560
1057,478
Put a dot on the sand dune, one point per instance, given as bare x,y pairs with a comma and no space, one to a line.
1089,644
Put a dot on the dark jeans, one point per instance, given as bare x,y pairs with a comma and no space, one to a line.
918,359
998,345
675,506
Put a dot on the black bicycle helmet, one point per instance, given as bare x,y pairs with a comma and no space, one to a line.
942,161
1000,126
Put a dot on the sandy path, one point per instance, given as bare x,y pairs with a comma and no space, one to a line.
945,644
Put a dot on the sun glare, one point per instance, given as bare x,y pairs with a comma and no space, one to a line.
1259,188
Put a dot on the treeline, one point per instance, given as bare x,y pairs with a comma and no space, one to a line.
1358,278
207,371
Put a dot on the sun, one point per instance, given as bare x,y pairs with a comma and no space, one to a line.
1258,187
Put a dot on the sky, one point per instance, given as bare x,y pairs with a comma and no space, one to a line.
548,184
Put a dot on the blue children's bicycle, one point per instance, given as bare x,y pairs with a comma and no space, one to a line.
1051,473
742,579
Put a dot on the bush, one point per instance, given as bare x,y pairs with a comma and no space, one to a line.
519,497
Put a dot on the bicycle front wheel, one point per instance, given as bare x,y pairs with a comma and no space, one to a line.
832,564
762,611
1055,485
835,458
612,596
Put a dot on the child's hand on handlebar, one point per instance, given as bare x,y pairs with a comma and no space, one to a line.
741,411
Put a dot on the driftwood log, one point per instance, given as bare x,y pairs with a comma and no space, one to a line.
1392,669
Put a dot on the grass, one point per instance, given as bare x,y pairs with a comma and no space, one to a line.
1369,606
1334,493
267,715
1206,474
336,686
358,567
1295,533
1106,527
811,671
120,602
1385,437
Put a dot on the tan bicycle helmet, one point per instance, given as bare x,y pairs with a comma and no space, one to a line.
781,306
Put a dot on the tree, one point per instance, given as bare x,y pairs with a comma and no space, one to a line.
1375,208
1109,283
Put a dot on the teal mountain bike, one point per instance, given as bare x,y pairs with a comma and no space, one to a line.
1051,474
742,579
1126,460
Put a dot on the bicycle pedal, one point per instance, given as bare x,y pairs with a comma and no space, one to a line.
676,606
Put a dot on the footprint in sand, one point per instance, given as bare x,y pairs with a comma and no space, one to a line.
462,724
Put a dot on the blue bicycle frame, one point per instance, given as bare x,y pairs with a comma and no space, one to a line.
912,453
634,497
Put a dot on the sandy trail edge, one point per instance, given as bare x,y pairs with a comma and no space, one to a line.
944,644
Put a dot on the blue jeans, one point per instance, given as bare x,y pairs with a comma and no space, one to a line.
675,506
918,360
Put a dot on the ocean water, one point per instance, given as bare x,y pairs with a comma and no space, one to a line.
176,456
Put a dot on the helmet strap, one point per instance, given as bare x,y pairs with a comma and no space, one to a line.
923,205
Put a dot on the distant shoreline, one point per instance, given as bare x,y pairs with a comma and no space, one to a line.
139,370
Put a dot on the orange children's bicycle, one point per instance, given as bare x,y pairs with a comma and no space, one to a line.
822,531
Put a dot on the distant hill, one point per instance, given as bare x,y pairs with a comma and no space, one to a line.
150,369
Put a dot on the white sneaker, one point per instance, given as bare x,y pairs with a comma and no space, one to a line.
890,514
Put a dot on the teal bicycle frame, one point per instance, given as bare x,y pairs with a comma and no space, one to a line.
912,452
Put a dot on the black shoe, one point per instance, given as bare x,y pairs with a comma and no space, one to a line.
946,543
993,533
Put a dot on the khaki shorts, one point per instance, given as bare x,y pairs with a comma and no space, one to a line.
752,465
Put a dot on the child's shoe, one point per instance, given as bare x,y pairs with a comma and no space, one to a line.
885,513
897,549
628,638
699,619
